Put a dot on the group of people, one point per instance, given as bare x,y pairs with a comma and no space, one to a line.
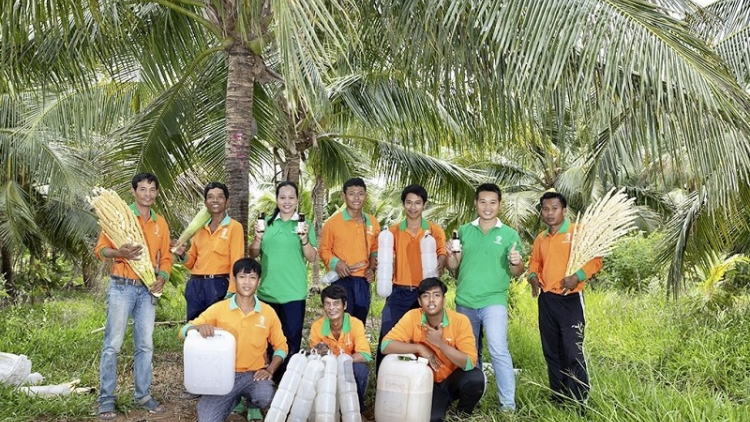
263,303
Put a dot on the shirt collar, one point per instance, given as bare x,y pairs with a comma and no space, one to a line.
295,216
498,223
152,214
233,303
563,228
224,221
345,327
348,217
445,318
425,225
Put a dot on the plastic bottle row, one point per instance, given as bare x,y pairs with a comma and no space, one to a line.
309,388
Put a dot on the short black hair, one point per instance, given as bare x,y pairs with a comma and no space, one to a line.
354,181
247,266
416,190
214,185
333,292
430,283
150,178
553,195
488,187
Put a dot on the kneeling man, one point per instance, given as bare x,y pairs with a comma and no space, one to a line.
340,332
254,325
445,338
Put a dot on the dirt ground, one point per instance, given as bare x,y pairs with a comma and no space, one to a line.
167,386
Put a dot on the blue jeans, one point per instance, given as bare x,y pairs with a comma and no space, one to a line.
124,301
258,394
361,375
494,318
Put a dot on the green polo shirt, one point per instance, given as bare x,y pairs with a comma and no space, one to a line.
484,273
284,275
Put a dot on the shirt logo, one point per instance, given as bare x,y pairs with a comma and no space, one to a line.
223,234
499,240
568,238
261,322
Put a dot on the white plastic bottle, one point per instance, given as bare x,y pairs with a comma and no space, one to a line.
428,248
325,401
329,277
348,390
284,397
303,400
385,263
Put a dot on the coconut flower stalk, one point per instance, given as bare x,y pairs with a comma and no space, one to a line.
200,220
121,227
597,231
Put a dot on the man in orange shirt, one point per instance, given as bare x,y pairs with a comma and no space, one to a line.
215,247
248,319
342,333
561,315
127,296
407,274
445,338
349,246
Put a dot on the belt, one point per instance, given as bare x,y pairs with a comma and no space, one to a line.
122,281
204,276
398,286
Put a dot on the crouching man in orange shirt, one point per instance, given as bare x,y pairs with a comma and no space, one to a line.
445,338
248,319
343,333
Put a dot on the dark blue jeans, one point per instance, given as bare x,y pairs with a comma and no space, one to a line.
398,303
292,316
201,293
357,296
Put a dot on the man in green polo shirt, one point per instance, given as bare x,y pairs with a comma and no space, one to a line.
490,256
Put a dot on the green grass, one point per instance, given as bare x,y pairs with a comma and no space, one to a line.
649,359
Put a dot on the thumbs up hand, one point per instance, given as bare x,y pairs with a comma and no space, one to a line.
514,256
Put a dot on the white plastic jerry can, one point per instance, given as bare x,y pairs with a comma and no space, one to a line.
404,391
209,362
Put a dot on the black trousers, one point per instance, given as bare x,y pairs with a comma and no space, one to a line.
561,326
465,386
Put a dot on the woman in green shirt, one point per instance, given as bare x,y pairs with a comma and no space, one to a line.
285,247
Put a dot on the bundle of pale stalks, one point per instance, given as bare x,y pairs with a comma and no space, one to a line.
200,220
601,225
119,224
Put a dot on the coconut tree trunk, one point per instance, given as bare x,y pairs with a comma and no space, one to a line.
290,168
319,204
243,68
6,268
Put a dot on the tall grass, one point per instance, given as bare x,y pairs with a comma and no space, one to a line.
649,359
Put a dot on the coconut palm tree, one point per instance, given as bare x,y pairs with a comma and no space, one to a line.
175,48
